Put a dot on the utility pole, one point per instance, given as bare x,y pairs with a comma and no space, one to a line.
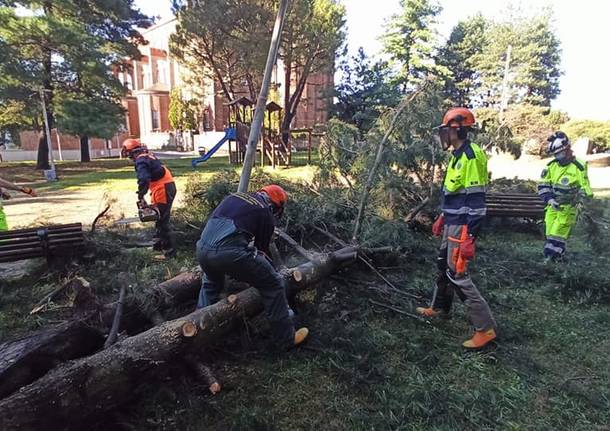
505,82
52,176
259,114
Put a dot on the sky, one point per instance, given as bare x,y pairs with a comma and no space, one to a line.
582,26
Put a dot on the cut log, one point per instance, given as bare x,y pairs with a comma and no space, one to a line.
24,360
204,373
85,389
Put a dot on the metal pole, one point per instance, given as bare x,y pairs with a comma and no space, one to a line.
259,114
505,96
47,129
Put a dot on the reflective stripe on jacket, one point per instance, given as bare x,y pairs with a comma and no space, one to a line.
564,183
464,187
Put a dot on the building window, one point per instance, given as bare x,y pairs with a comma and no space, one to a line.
162,71
155,120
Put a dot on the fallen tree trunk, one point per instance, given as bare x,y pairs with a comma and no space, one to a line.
79,391
24,360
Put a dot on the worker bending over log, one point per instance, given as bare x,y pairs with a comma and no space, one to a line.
235,242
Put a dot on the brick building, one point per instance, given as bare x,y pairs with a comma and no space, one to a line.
151,79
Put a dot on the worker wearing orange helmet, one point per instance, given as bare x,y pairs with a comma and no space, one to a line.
153,176
463,211
235,242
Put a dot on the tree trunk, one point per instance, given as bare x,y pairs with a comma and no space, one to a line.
42,158
85,157
42,161
287,84
290,110
24,360
78,392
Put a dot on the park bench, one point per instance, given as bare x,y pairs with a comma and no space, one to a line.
526,205
44,241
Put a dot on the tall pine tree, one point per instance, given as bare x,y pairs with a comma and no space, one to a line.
67,49
411,41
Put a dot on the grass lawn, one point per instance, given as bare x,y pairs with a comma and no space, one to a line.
370,368
119,175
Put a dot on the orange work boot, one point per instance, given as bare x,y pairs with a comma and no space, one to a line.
480,339
431,312
300,335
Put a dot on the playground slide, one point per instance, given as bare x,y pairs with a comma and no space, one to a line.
229,136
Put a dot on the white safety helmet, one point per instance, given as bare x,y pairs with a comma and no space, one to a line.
558,142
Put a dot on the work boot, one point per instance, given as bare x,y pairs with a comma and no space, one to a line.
300,336
167,254
480,339
432,312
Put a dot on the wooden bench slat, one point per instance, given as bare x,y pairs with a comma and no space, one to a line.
37,245
33,233
36,239
22,244
5,253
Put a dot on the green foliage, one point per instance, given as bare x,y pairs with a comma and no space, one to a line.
314,34
513,185
496,135
597,131
227,40
88,116
476,52
68,48
224,40
595,223
182,113
523,128
365,90
339,151
459,56
413,157
534,62
411,160
410,41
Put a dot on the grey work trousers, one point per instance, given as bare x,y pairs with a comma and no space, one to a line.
245,264
450,281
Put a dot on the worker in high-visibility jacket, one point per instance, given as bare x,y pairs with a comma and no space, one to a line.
463,211
563,184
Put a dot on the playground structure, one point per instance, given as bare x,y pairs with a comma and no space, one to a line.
271,147
236,135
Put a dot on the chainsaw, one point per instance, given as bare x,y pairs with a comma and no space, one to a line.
147,213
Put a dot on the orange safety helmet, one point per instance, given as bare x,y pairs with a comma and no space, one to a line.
458,117
130,145
277,196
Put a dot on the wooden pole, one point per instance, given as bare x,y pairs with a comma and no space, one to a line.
259,113
373,172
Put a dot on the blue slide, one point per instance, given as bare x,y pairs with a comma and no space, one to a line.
229,136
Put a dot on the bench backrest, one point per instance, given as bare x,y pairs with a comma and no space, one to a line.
41,241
